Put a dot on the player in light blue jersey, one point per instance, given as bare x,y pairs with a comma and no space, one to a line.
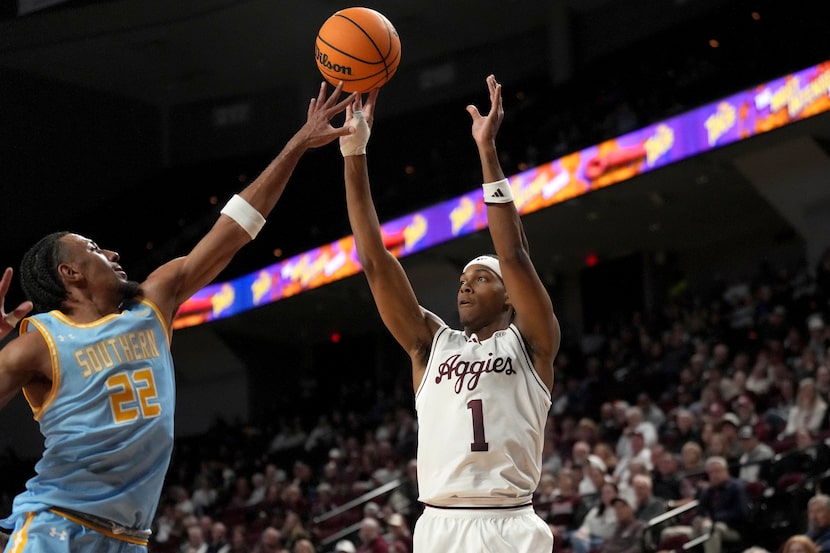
95,366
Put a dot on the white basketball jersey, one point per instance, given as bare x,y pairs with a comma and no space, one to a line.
482,410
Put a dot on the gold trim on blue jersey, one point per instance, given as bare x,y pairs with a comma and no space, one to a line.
18,540
37,411
98,528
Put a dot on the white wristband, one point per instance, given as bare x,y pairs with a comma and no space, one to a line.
245,215
497,192
355,144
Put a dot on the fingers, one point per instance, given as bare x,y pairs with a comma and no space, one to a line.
473,111
321,94
21,310
344,131
11,319
338,90
369,106
340,106
5,282
323,100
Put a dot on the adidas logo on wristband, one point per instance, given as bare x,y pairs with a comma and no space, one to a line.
497,192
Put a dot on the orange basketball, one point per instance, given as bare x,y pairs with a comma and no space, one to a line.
358,46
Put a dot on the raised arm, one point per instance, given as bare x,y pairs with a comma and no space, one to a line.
173,283
411,326
534,310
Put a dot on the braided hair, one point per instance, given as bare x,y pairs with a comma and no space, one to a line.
39,273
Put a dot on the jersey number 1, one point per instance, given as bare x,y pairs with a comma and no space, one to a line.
479,442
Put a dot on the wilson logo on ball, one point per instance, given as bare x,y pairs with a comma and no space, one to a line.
324,61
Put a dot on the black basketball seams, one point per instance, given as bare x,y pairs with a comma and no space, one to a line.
369,37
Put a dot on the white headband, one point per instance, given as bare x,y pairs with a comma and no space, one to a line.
488,261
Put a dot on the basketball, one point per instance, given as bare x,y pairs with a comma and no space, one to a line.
358,46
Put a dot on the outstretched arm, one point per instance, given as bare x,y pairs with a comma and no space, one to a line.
173,283
534,310
411,326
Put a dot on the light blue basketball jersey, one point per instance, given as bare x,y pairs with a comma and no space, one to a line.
108,421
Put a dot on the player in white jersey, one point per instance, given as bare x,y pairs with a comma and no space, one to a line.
482,394
96,368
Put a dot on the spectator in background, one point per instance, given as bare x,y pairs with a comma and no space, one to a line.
680,429
195,542
780,403
652,412
715,445
166,522
723,510
270,541
181,501
241,492
728,430
666,480
799,544
563,514
218,542
544,495
594,476
587,431
628,534
579,453
320,439
344,546
637,451
808,412
755,453
745,409
398,531
647,505
323,501
259,489
599,522
759,380
371,538
634,422
290,437
609,428
293,529
239,539
304,546
204,496
818,521
817,341
823,381
606,453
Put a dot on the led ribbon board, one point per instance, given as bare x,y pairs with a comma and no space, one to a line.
761,109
